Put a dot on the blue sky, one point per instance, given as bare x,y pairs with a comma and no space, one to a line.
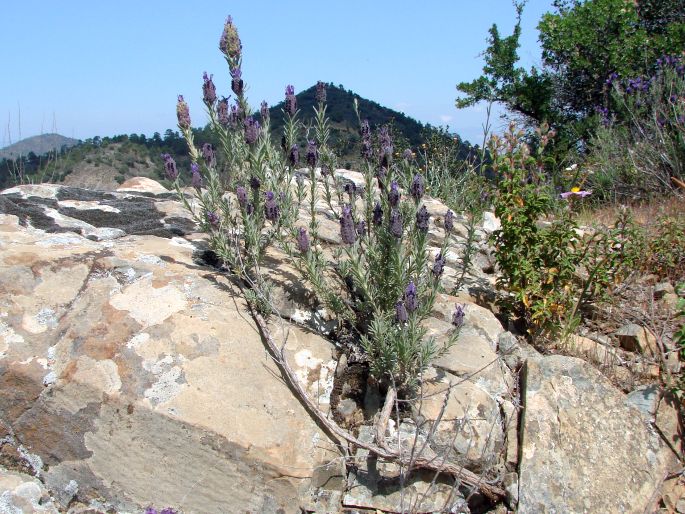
103,68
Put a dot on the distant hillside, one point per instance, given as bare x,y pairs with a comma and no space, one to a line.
407,132
39,145
105,162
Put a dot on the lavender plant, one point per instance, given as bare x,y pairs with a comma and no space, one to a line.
639,147
251,201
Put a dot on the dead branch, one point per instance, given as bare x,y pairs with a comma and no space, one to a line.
467,477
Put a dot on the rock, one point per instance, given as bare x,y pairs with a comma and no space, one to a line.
472,357
670,300
491,222
23,494
476,317
107,342
663,288
142,184
574,450
593,351
470,431
659,408
377,485
649,279
514,351
634,338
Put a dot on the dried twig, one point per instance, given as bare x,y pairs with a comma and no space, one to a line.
467,477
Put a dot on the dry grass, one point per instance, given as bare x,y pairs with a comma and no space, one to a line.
644,213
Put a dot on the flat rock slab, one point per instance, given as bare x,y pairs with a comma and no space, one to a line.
134,375
583,448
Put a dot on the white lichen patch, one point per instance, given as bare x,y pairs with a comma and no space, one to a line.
8,337
183,243
39,190
151,259
40,322
66,221
137,340
148,305
315,375
82,205
170,381
62,240
34,461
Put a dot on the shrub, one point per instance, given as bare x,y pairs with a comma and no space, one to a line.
550,270
381,282
640,144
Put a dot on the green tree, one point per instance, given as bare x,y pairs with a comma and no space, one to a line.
582,43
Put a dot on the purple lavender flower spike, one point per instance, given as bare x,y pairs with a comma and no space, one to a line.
251,131
182,113
229,44
208,89
197,178
208,155
401,315
312,154
381,173
255,183
422,218
386,146
408,155
458,316
394,194
449,221
294,155
396,227
320,92
290,100
212,218
351,189
151,510
367,150
264,112
348,233
170,167
438,265
361,228
377,214
303,240
411,300
168,510
271,208
249,208
236,81
234,116
417,188
241,193
222,112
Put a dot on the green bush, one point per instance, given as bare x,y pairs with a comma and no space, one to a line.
549,269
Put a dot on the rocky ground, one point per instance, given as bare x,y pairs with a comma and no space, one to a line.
132,375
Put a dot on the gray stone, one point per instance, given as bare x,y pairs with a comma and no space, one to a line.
374,484
663,288
634,338
576,456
